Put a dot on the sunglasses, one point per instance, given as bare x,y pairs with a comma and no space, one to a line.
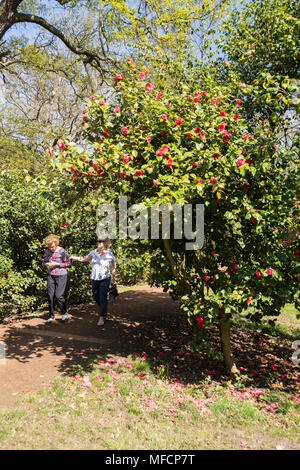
100,241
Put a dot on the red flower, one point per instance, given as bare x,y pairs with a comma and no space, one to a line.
221,126
162,150
72,169
126,158
142,75
222,113
238,101
159,95
169,162
240,161
206,278
60,145
216,155
124,130
236,117
164,117
199,320
214,101
118,76
258,274
139,172
149,86
270,271
122,175
212,180
178,121
154,183
117,109
200,181
204,93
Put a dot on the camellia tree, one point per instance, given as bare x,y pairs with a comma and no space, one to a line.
175,135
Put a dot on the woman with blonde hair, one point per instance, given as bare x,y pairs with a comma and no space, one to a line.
56,260
103,272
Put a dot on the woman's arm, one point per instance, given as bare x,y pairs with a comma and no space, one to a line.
82,259
112,265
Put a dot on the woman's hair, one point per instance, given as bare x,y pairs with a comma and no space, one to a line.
52,239
106,241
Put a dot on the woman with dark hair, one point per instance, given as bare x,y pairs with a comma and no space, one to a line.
103,273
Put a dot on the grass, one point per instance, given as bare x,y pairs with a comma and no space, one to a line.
287,325
121,404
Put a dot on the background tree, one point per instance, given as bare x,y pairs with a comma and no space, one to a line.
260,41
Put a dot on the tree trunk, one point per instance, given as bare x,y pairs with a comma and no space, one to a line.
8,10
226,347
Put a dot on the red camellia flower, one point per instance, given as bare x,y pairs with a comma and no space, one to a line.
238,101
148,138
139,172
214,101
197,130
142,75
60,145
240,161
159,95
258,274
222,113
206,278
222,312
178,121
162,150
95,166
126,158
216,155
117,109
124,130
196,99
236,117
221,126
154,183
248,300
270,271
200,180
169,162
118,76
212,180
122,175
149,86
199,320
72,169
164,116
204,93
195,163
50,151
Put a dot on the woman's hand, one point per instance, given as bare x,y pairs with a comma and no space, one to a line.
51,264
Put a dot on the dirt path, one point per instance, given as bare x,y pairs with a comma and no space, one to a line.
143,320
36,352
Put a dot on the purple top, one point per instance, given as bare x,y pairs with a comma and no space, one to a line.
60,257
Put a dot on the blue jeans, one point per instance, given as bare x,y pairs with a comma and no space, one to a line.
100,290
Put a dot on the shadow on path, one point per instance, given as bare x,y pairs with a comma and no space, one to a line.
144,320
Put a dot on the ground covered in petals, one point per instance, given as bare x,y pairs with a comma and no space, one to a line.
146,387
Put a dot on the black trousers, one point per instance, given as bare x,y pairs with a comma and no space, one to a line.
56,289
100,290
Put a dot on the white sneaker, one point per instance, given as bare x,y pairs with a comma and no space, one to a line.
101,321
50,320
64,317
